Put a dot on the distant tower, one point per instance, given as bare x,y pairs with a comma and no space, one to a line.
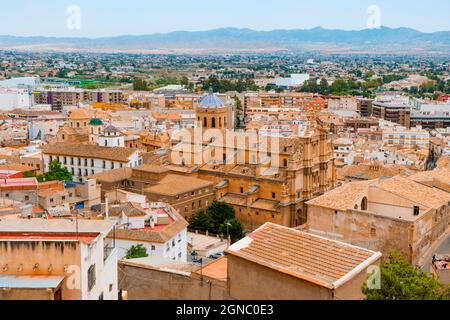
95,128
212,113
111,137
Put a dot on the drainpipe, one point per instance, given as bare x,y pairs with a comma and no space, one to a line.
411,242
106,209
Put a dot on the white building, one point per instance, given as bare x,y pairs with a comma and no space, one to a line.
157,226
344,150
14,98
111,137
83,160
401,136
57,260
21,82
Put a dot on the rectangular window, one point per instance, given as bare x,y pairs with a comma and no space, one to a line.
91,277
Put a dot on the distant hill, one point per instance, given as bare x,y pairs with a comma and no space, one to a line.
382,40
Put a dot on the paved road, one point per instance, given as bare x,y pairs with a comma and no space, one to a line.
444,248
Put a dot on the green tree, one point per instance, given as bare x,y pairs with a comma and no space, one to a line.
219,213
184,81
137,251
324,87
234,228
201,221
57,172
140,85
218,218
402,281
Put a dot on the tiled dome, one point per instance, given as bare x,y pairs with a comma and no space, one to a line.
96,122
211,101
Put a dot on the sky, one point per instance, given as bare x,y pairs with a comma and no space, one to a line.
100,18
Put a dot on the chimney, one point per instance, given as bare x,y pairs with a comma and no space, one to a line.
416,211
152,223
106,209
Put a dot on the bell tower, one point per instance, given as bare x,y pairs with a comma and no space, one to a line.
213,113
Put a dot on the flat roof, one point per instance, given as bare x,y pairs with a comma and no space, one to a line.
86,238
30,282
216,269
55,226
162,264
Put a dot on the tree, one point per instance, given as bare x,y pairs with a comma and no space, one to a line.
234,228
201,221
184,81
219,213
137,251
140,85
324,87
57,172
402,281
218,218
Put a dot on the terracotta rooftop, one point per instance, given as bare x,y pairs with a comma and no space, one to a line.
89,151
17,167
439,176
315,259
344,197
158,234
114,175
416,192
151,168
173,184
81,114
366,171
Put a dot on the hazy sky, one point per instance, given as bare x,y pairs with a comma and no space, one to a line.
119,17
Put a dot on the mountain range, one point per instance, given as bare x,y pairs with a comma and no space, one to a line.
381,40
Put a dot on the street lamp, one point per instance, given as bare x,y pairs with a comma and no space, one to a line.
195,260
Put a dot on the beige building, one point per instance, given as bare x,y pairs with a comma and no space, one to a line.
407,214
74,196
279,263
57,260
186,193
272,263
267,180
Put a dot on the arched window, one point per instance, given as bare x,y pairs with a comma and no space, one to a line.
213,124
205,122
285,162
364,204
220,122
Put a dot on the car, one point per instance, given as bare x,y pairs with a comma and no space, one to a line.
217,255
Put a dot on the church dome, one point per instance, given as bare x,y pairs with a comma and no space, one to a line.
211,101
96,122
